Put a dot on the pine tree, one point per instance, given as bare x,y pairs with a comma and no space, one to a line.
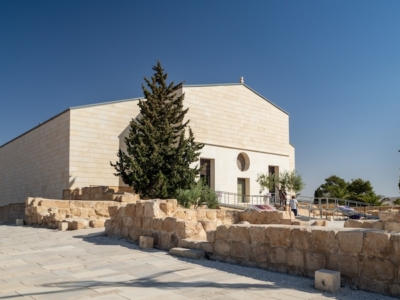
159,153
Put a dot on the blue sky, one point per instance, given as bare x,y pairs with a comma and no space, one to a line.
333,65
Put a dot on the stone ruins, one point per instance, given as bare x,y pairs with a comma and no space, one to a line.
366,256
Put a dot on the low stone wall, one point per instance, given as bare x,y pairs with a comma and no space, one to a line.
171,225
366,258
9,213
388,220
79,214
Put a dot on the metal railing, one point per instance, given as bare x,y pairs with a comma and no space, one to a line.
245,201
323,206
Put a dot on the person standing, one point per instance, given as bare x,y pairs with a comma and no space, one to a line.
293,205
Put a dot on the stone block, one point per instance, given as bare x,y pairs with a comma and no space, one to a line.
139,208
295,258
97,223
146,242
392,226
152,209
127,222
168,207
113,211
194,229
240,250
222,248
257,234
157,224
285,222
107,223
164,240
180,215
128,197
121,212
324,240
350,241
130,210
260,252
137,222
169,224
301,238
188,253
125,232
279,236
79,224
19,222
209,225
378,269
353,223
378,225
191,215
239,233
222,232
371,285
386,216
211,214
277,255
368,224
244,216
315,261
319,223
327,280
348,265
210,235
134,234
377,243
63,226
205,246
146,223
231,217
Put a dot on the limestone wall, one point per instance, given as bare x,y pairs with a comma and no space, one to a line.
97,132
388,220
171,225
78,214
36,163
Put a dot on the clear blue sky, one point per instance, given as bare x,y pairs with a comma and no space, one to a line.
333,65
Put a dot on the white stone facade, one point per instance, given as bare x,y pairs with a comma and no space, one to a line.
74,149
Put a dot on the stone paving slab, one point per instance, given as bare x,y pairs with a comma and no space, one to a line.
38,263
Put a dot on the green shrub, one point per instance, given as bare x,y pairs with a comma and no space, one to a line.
199,194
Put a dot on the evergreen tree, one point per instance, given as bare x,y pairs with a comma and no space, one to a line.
159,152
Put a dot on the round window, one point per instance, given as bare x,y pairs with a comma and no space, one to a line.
243,161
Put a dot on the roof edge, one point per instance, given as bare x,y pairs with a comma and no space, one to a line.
37,126
105,103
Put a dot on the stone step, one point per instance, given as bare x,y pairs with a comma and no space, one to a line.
188,253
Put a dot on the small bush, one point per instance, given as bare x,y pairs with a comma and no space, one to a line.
197,195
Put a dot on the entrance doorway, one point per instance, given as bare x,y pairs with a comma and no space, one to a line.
241,189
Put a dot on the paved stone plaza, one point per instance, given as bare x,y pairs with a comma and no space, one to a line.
38,263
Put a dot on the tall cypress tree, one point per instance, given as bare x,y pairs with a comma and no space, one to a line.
159,152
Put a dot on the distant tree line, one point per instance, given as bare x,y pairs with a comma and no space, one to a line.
357,189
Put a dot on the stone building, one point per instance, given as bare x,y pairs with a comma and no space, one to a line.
243,132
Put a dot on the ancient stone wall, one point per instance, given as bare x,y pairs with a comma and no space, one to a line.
78,214
366,258
388,220
9,213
